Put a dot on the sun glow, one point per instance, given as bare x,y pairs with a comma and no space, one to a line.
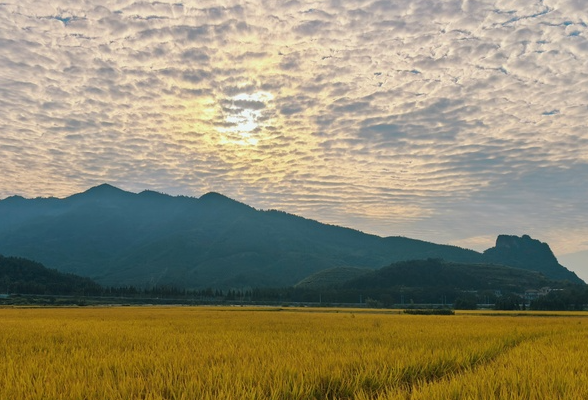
244,117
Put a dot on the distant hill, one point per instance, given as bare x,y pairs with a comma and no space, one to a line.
332,277
429,273
19,275
430,281
438,273
120,238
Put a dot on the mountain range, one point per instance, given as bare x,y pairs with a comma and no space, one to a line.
120,238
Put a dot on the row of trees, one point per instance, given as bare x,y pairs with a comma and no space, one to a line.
18,275
173,292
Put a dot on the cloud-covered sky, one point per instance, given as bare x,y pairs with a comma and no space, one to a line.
444,120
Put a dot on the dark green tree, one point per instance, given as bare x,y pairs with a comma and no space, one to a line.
508,302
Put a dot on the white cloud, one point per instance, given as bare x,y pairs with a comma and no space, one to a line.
444,120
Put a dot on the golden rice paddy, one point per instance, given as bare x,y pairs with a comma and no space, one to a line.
238,353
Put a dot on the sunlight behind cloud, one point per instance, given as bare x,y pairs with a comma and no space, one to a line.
245,116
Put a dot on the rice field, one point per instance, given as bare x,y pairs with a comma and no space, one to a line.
238,353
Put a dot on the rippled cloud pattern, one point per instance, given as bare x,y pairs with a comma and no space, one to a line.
450,121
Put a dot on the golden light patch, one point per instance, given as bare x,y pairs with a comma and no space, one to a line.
244,117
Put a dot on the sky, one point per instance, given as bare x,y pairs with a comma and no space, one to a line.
447,121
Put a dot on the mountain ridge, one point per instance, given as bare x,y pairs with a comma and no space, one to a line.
19,275
145,239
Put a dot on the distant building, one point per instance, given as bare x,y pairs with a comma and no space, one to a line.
532,294
544,291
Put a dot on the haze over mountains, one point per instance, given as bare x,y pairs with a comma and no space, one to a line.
146,239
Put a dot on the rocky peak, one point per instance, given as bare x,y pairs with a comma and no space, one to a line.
528,253
524,245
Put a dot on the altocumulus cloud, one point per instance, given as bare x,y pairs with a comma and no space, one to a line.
445,120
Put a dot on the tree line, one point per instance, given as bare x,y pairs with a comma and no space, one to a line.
22,276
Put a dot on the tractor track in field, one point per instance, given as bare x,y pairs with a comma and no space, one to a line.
438,371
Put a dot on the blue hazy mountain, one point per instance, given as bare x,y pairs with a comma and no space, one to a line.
121,238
